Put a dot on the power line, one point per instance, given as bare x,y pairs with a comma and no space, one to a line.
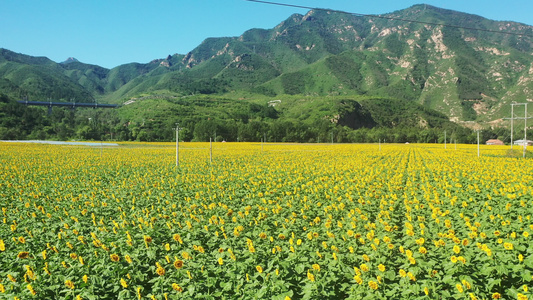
389,18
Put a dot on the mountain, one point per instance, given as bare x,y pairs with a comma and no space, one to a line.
465,74
70,60
39,78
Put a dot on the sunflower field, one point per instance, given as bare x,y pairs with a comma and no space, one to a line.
273,221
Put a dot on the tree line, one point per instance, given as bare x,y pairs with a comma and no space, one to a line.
21,122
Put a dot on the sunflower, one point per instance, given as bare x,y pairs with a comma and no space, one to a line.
114,257
69,284
178,264
176,287
373,285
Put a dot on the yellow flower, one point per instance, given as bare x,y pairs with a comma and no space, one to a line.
220,261
30,288
114,257
123,283
381,267
409,253
259,269
508,246
2,245
23,255
178,264
176,287
411,276
128,258
466,284
364,268
366,258
422,250
520,296
85,278
496,296
69,284
316,267
373,285
456,249
459,287
453,259
402,273
160,271
310,276
358,279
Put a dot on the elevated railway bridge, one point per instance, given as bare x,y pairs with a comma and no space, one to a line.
72,105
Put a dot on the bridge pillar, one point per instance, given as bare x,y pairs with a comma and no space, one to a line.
49,109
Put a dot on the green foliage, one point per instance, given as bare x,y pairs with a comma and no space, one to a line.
470,66
295,83
322,54
395,45
347,70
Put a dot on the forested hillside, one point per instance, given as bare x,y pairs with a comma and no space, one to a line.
420,74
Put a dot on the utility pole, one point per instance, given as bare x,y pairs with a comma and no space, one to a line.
177,145
478,143
513,117
525,130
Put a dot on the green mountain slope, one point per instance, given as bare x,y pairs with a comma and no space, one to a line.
467,75
23,76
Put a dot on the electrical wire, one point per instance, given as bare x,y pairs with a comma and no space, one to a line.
389,18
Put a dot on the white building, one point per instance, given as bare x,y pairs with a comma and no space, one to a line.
521,142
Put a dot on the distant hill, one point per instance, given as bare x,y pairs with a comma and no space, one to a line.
466,75
70,60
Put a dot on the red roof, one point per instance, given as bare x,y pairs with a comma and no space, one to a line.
494,142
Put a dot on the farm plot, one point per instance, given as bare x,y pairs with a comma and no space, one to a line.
286,222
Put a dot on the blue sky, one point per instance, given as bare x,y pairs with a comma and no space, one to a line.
114,32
